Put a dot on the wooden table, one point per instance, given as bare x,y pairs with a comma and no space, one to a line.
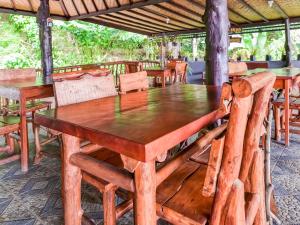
162,73
141,126
24,90
284,79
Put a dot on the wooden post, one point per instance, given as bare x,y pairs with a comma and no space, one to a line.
45,38
288,45
162,52
217,41
195,42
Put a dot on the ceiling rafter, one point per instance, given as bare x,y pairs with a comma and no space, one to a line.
117,9
85,6
139,22
279,9
31,6
77,11
158,21
155,22
198,4
253,10
94,4
164,16
12,2
130,23
112,25
179,14
64,8
105,4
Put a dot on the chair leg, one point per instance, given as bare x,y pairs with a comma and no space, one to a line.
109,206
38,152
277,123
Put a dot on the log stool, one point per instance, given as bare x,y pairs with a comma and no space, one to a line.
8,126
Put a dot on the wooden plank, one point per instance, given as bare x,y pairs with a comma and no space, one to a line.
117,9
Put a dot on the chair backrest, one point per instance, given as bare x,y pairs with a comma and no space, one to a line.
251,96
237,68
133,81
11,74
180,70
133,67
255,65
81,86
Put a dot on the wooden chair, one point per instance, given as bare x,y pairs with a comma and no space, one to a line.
81,86
9,127
294,104
228,186
180,71
133,67
237,68
133,81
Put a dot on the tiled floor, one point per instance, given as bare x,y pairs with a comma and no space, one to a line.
34,197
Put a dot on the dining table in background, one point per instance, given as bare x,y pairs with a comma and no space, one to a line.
163,74
141,126
24,90
284,80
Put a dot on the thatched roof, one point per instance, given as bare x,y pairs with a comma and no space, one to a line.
156,17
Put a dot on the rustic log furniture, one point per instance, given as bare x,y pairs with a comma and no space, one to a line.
133,67
24,89
133,82
229,188
139,132
284,80
82,86
180,72
237,68
9,127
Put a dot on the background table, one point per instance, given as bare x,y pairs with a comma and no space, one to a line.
141,126
24,90
162,73
284,79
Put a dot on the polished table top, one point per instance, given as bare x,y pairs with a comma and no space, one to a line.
25,83
141,125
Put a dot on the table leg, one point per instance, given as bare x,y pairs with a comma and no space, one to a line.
163,81
71,178
287,111
145,194
24,135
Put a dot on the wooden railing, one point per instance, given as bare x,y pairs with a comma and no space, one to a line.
116,68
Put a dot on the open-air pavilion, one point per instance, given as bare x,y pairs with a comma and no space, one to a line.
166,151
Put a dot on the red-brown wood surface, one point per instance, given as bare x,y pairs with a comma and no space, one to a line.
25,89
162,73
139,131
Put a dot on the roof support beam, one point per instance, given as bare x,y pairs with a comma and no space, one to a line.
117,9
112,25
254,10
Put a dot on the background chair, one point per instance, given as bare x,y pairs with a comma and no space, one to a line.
133,67
133,81
180,71
82,86
9,128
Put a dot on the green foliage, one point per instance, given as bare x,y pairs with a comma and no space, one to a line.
77,42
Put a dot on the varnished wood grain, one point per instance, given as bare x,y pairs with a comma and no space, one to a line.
140,131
